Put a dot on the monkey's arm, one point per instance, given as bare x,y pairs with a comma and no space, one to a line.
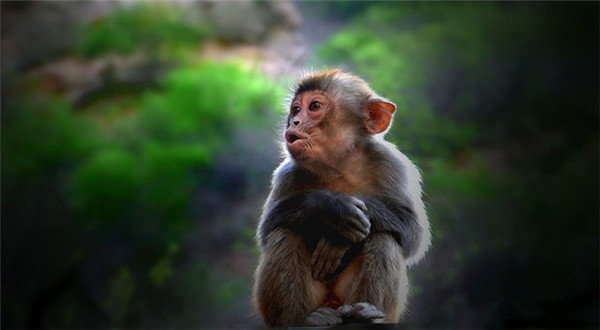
314,214
397,218
386,215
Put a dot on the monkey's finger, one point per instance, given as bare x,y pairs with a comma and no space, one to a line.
332,263
371,314
365,221
320,258
359,215
362,312
323,316
322,246
320,270
353,235
316,269
332,260
344,310
360,224
317,252
360,204
368,311
349,311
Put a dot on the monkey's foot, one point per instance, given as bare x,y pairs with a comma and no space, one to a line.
323,316
361,312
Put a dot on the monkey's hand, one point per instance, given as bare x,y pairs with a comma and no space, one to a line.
352,221
326,258
361,312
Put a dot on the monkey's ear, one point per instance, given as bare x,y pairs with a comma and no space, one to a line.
380,115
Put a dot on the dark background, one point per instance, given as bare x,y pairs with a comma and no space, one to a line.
138,142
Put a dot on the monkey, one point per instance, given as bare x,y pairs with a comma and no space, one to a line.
344,218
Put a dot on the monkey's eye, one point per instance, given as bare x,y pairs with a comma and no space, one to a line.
315,105
294,111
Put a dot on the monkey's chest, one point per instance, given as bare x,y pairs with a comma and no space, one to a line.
348,186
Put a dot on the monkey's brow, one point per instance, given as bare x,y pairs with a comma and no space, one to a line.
312,84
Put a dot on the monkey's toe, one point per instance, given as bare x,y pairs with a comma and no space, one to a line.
323,316
361,312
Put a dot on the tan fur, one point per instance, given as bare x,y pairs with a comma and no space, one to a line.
382,280
285,263
342,151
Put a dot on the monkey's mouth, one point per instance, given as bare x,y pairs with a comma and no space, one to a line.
293,136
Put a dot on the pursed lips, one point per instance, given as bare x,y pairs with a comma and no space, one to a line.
293,135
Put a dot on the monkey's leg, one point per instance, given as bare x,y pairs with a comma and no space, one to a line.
284,291
382,281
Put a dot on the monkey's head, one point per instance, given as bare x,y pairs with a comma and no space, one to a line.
332,113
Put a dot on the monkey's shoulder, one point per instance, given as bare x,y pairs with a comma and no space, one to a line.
290,175
388,158
392,168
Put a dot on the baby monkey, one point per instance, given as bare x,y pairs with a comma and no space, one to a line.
344,218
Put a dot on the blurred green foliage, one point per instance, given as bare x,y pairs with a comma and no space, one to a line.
151,27
133,173
105,183
42,134
206,111
116,181
120,293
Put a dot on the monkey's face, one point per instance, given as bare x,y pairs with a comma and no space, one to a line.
313,133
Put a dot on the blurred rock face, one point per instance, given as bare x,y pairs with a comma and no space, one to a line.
263,34
33,32
250,21
78,80
38,39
